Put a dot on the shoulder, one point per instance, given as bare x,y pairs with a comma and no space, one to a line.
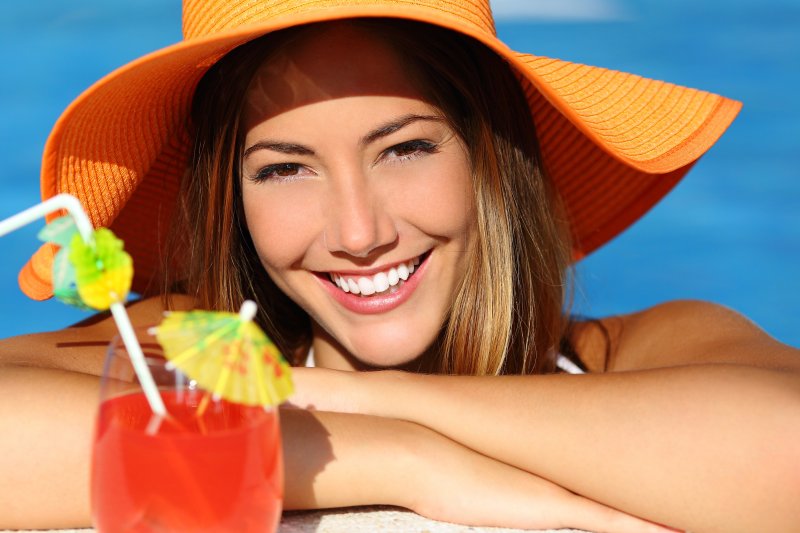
684,332
81,347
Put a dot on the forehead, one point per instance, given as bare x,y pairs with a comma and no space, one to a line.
333,62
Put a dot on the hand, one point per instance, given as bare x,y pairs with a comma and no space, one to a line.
456,484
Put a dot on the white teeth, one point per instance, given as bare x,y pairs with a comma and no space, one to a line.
353,286
402,271
366,286
380,282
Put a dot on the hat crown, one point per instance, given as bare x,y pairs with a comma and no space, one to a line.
202,18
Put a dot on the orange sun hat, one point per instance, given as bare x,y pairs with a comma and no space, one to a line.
613,143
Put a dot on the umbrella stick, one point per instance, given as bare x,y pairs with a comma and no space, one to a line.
137,358
201,409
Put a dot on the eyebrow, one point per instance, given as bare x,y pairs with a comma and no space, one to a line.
282,147
381,131
395,125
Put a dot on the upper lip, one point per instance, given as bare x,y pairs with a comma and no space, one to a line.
373,270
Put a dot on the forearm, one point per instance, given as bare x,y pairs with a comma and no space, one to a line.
47,421
46,424
699,447
339,459
331,459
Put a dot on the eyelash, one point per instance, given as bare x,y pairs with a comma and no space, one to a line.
268,172
417,148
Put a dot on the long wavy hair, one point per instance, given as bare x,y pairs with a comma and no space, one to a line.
510,309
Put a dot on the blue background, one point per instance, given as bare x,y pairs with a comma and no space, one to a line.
729,233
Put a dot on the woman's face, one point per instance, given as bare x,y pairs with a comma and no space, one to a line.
357,196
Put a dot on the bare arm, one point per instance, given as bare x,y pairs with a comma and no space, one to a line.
332,460
338,460
82,347
46,423
49,389
48,399
705,441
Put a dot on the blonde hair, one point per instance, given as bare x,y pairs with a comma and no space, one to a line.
509,311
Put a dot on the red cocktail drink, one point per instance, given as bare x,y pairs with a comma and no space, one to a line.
218,472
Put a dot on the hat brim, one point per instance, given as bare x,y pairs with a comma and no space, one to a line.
613,143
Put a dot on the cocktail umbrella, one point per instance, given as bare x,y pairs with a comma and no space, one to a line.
227,354
91,274
61,232
103,270
90,271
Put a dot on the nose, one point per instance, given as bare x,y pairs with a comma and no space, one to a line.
358,222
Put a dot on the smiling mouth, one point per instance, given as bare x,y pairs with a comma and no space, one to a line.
382,283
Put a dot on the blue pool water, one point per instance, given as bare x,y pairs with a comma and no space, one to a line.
729,233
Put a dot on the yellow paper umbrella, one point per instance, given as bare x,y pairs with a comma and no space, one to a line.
92,273
227,354
103,270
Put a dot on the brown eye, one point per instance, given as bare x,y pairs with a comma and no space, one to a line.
405,149
410,149
278,171
286,169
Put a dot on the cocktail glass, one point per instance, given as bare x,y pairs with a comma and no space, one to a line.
210,465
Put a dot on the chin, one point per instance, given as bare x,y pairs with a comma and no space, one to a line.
386,361
391,350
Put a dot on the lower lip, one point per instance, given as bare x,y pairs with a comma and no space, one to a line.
377,303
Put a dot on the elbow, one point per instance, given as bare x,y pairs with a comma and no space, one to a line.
764,494
780,461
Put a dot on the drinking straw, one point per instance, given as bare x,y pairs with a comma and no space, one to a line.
61,201
71,204
137,358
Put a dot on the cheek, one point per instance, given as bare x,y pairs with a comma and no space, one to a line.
451,203
439,198
281,222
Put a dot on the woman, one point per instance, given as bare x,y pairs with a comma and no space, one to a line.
327,158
